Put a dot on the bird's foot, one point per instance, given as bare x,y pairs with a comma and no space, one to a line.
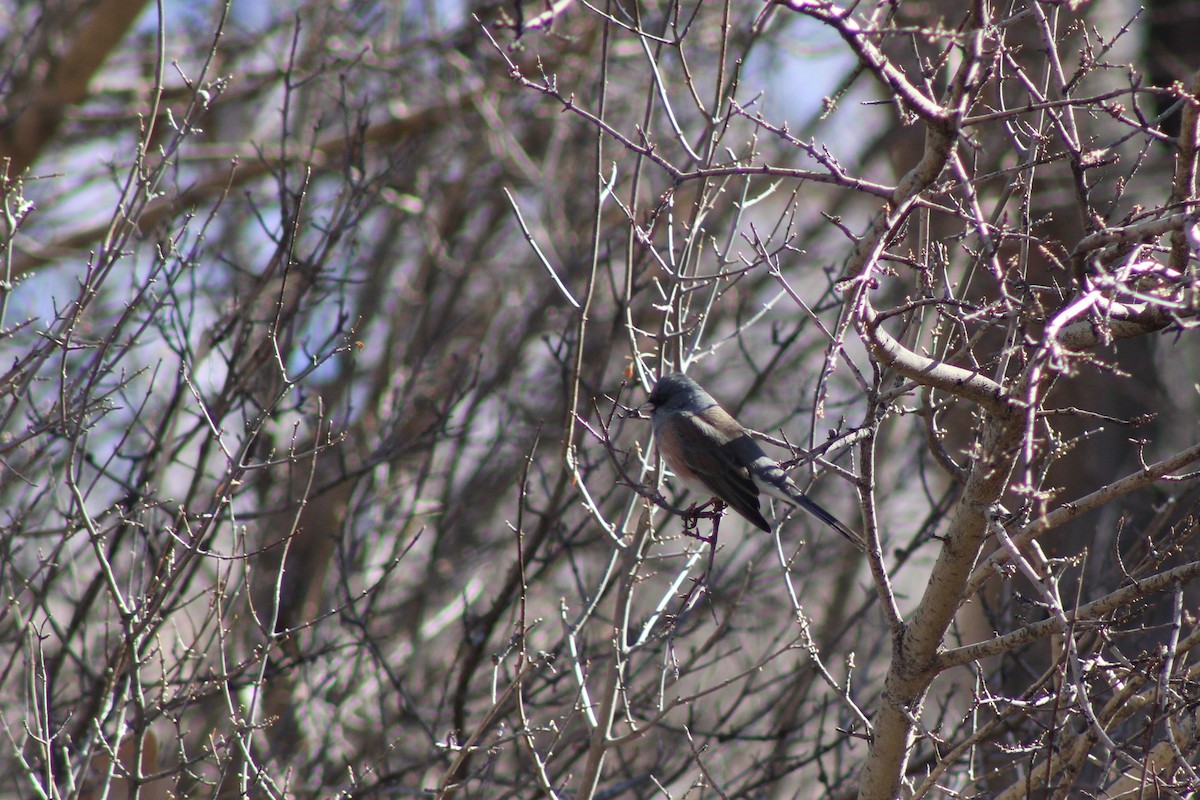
714,509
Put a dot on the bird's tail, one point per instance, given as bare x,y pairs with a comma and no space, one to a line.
830,520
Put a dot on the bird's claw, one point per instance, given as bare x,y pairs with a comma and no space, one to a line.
714,509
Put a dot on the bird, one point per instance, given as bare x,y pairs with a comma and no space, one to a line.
711,453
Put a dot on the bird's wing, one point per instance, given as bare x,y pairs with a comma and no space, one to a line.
720,466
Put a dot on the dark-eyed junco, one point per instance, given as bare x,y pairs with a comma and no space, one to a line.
714,455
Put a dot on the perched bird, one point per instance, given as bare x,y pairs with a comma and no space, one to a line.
714,455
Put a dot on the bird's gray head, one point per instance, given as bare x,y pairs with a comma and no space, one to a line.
677,391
